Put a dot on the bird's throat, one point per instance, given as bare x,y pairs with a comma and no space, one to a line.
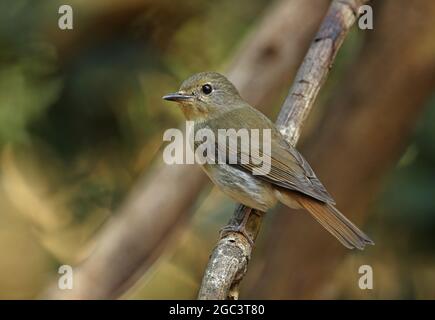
194,113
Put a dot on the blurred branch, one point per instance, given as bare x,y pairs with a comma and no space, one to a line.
151,21
362,135
160,203
229,260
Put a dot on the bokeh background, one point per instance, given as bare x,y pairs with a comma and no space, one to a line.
81,125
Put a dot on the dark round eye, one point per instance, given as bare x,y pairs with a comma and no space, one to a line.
207,89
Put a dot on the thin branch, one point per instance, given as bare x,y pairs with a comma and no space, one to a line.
229,261
360,137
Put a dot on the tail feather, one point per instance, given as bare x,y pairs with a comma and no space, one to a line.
335,222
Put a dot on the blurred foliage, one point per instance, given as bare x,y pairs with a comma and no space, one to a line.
413,183
81,118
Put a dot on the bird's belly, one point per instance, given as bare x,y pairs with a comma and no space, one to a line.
241,186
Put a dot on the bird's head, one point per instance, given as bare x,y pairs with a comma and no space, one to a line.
205,95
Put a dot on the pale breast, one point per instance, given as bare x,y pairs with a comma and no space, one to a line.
241,186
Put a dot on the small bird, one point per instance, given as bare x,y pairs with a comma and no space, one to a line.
211,101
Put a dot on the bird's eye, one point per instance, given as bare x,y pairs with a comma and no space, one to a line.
207,89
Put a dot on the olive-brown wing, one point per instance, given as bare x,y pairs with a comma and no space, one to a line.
283,166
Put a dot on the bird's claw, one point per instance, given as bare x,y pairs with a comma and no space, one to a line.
238,229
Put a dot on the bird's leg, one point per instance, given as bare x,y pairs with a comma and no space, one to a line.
240,227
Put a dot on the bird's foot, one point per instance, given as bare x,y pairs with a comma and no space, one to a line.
239,228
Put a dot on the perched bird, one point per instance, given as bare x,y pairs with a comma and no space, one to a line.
211,101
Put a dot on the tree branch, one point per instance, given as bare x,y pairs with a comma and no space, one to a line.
365,129
229,261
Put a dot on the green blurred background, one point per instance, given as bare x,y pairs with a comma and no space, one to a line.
81,118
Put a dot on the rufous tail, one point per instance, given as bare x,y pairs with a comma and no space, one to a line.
335,222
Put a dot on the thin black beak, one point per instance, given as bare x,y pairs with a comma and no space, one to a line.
177,97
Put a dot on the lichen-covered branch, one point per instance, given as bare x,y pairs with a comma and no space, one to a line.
229,261
366,126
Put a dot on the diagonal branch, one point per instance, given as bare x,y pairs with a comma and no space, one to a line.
229,261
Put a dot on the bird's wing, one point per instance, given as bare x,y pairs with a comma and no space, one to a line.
288,168
284,167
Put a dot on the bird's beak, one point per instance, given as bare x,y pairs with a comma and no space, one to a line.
178,97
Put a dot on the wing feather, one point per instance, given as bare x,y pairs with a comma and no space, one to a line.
288,168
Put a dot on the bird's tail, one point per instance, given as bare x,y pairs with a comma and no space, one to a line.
335,222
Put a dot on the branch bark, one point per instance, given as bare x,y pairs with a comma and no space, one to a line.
159,204
363,133
229,261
